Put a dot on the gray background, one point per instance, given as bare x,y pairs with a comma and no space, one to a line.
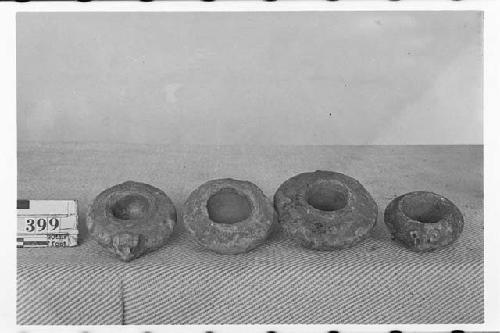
251,78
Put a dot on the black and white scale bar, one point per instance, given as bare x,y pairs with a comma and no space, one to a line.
31,243
23,204
36,243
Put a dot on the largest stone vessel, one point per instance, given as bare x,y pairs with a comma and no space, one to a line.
325,210
131,219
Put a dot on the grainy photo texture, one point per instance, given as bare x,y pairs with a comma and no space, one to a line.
250,168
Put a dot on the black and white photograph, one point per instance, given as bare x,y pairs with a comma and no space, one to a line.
250,167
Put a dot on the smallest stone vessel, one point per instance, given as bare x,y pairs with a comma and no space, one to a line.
131,219
423,221
229,216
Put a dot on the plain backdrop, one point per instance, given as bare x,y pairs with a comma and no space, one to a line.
250,77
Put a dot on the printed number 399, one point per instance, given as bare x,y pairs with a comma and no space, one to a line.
41,224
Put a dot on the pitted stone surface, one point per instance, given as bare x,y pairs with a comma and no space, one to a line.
229,216
325,210
423,221
131,219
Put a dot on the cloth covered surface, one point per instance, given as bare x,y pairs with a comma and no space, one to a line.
377,281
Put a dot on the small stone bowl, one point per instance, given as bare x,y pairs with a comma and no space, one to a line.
229,216
131,219
325,210
423,221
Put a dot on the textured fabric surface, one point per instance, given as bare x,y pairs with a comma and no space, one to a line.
66,291
377,281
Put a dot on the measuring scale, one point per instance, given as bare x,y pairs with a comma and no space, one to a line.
47,223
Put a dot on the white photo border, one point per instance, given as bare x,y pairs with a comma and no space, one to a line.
491,141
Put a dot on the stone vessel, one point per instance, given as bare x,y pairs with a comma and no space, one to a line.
131,219
229,216
423,221
325,210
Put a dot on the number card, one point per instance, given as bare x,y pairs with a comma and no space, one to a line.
47,223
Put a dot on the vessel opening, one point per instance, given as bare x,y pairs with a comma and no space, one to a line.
228,206
425,208
130,207
328,197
